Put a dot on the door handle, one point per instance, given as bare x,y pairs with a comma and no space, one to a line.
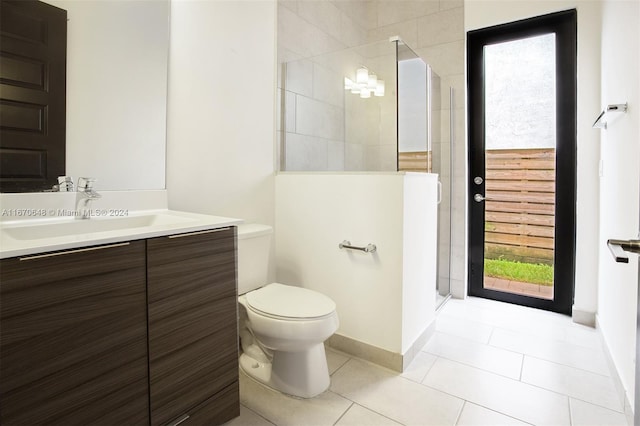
618,247
478,198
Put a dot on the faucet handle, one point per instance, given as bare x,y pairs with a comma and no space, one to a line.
86,183
65,183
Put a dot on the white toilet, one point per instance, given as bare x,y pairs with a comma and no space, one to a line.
282,327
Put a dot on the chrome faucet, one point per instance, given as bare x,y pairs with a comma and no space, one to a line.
84,196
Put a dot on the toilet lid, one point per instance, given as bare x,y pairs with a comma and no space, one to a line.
290,302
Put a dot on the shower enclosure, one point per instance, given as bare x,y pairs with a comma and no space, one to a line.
372,108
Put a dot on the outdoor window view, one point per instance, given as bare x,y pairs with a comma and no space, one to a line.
520,142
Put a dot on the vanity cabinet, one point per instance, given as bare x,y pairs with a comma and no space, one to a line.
73,337
133,333
193,342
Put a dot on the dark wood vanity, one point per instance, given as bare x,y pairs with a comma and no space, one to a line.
137,332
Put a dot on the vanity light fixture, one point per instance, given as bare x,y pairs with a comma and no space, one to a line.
365,84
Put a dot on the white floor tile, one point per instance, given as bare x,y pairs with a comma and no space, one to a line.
496,360
507,396
581,335
461,327
360,416
530,321
586,414
489,363
393,396
570,381
335,359
474,415
282,410
590,359
248,418
419,367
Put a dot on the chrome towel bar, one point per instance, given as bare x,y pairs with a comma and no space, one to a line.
369,248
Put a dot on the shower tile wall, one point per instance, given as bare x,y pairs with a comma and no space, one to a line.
434,29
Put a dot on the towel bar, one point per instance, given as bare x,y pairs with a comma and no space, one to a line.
369,248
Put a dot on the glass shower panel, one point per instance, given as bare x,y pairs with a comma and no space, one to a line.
424,144
338,111
414,119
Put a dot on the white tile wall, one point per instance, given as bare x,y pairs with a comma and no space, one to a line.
434,29
390,12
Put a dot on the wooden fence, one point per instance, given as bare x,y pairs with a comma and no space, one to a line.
520,206
415,161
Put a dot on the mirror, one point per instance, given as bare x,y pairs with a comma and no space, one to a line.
117,62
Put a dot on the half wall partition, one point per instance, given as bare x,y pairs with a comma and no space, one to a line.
371,108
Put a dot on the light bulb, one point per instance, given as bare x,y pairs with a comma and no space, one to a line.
365,93
348,84
362,76
379,88
373,79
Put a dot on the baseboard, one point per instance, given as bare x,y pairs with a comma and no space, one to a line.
415,348
392,360
615,376
383,357
583,317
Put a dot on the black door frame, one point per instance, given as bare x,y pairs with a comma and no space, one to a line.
564,25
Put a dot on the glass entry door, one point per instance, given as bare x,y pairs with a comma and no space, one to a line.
522,162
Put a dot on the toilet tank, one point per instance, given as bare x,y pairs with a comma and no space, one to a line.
254,245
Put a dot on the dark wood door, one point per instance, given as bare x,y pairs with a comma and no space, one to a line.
193,335
73,347
33,53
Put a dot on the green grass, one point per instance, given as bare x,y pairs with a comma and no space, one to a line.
525,272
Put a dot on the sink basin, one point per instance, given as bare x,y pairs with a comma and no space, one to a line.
82,227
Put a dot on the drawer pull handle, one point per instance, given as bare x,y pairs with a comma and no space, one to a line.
178,421
62,253
209,231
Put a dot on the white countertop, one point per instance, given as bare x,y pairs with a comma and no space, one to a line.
25,237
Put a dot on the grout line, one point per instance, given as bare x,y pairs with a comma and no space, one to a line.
340,368
493,328
259,415
464,404
570,366
570,413
345,412
499,412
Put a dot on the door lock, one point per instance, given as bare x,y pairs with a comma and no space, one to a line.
478,180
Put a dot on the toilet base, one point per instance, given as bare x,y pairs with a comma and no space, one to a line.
303,374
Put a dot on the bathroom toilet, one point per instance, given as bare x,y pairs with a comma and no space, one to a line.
282,327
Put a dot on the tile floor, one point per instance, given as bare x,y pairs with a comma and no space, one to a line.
488,363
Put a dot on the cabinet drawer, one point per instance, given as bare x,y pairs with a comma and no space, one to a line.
216,410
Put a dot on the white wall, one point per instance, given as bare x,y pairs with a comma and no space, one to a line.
379,302
420,246
484,13
220,132
620,184
117,91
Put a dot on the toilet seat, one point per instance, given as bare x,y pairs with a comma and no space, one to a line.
290,303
